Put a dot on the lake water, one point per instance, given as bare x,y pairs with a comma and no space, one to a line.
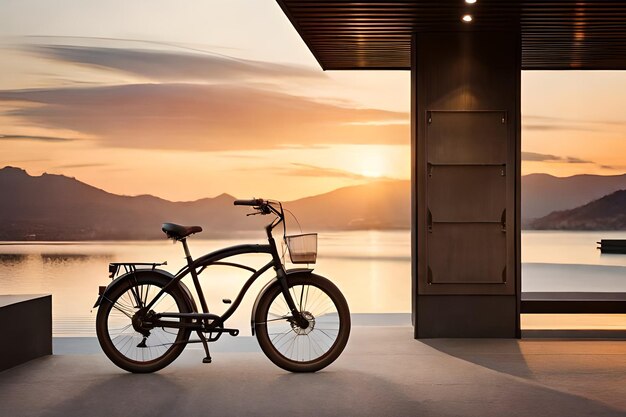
372,268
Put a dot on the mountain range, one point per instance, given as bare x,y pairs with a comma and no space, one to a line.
56,207
606,213
543,193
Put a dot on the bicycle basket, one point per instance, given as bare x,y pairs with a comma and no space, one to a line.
302,248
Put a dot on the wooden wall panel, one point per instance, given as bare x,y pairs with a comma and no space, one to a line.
466,147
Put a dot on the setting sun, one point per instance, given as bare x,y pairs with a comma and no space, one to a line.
371,163
372,173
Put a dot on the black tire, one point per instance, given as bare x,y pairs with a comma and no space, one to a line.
323,347
162,346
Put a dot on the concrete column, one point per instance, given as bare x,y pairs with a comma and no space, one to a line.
466,178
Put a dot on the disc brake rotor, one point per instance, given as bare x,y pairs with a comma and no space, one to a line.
304,331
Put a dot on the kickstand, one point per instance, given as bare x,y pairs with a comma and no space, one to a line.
206,348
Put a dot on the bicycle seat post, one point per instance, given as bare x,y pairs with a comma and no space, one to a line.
186,248
205,307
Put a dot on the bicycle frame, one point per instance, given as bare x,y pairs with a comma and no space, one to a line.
197,266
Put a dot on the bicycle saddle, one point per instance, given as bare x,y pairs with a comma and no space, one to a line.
176,231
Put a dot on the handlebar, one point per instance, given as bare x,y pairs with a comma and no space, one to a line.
266,207
255,202
263,206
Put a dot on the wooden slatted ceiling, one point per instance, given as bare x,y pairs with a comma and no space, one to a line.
556,34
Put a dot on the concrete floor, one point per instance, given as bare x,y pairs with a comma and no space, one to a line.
383,372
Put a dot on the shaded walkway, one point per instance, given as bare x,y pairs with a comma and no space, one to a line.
384,372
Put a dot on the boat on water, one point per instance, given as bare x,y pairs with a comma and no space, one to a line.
612,246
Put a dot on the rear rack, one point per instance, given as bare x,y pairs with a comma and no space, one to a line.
114,267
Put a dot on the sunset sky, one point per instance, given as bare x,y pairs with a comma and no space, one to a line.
190,99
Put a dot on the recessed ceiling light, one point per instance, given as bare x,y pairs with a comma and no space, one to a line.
467,18
470,1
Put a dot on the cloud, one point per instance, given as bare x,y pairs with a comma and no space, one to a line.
553,127
542,157
35,138
24,161
203,117
89,40
80,166
382,122
172,66
553,119
305,170
572,160
550,123
544,118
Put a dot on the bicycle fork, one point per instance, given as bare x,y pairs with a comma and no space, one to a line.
282,279
297,316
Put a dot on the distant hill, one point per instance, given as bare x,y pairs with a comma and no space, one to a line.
377,205
606,213
543,193
56,207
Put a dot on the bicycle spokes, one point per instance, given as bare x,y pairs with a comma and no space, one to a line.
125,326
303,342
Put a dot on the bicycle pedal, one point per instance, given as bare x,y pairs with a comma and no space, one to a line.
207,360
226,301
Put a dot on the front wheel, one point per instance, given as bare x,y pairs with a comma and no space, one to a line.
300,348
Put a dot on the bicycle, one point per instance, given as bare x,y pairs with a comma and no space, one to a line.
146,315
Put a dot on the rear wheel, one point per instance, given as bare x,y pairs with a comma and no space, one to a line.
126,339
310,347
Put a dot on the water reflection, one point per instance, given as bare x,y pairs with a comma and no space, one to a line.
372,269
12,258
70,257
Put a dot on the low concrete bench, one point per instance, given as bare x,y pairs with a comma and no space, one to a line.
25,328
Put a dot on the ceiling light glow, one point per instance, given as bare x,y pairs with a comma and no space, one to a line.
467,18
